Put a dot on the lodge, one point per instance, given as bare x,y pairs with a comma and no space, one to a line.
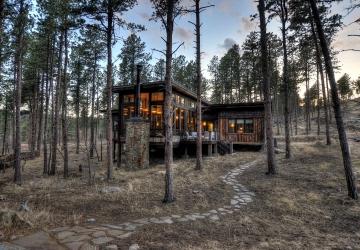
223,125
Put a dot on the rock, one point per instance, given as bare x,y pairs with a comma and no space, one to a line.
196,191
10,218
134,247
24,206
278,151
39,240
91,220
64,234
111,247
9,246
101,240
111,189
99,234
2,197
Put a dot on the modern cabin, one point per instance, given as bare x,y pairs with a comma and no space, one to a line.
223,124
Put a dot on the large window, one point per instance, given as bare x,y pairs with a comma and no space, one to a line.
157,96
241,126
156,117
144,107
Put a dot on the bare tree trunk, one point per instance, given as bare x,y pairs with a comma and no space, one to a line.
56,108
109,146
267,92
18,85
41,112
350,177
77,111
64,110
285,79
198,81
92,121
169,186
318,100
5,127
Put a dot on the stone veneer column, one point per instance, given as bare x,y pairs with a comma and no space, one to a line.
136,147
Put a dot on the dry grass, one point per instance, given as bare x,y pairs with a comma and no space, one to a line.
303,207
56,201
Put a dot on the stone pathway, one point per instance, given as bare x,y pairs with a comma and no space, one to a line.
89,237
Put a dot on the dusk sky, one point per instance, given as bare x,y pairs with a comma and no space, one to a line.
228,23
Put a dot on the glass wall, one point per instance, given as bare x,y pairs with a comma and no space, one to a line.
241,126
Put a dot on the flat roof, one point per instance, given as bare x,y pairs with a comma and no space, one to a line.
158,85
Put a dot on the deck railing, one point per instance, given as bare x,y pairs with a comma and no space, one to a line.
206,136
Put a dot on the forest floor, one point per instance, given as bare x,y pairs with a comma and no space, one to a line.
304,207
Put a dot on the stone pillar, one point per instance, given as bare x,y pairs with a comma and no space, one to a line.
136,147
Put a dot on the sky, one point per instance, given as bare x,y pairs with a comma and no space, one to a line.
228,23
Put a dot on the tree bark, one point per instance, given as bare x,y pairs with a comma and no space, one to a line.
49,70
285,79
324,93
198,81
77,109
40,113
18,85
92,120
109,146
350,177
56,108
169,186
64,109
5,127
267,91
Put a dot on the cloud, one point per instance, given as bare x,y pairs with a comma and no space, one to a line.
183,34
145,16
247,24
228,43
227,7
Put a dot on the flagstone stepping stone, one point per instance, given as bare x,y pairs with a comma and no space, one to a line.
115,233
64,234
75,245
214,217
102,240
124,236
134,247
111,247
74,238
98,234
39,240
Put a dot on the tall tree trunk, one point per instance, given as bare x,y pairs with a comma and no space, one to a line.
92,121
350,177
18,85
267,91
109,146
77,111
64,109
198,81
49,78
318,100
169,185
40,113
324,93
285,79
56,108
5,127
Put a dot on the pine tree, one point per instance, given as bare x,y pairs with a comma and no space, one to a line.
133,53
166,11
350,177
